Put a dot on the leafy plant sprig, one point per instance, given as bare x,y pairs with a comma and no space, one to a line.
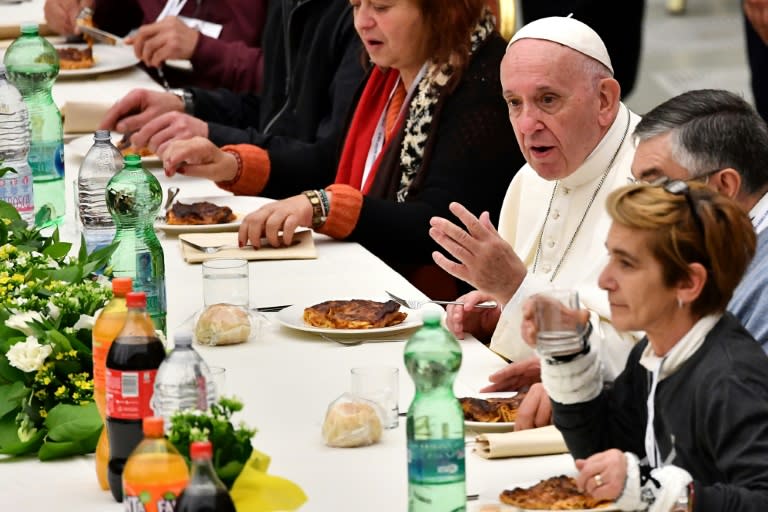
231,445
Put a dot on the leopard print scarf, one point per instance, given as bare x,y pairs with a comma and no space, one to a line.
422,108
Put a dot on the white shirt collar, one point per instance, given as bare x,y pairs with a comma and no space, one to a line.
594,165
759,214
683,349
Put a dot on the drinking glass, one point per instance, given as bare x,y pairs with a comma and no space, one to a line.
557,319
380,385
225,281
219,378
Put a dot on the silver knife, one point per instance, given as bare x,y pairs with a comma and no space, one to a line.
101,35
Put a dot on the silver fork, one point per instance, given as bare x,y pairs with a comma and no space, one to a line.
417,303
212,249
349,342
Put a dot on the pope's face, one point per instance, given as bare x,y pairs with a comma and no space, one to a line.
554,108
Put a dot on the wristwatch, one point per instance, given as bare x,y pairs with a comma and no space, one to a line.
187,97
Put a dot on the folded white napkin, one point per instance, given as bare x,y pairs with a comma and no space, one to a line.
303,248
536,441
83,116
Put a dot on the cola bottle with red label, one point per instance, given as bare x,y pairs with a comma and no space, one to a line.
132,364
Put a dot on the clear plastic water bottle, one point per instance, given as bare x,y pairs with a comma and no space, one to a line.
435,423
32,65
15,187
183,381
101,162
133,199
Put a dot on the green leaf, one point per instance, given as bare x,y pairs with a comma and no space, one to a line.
58,250
10,444
8,373
6,170
73,422
8,211
11,397
56,450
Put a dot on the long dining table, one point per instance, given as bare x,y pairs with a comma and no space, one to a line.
286,377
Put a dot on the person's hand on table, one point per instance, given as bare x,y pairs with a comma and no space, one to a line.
60,15
139,107
515,375
158,133
480,323
484,259
198,157
286,215
535,410
603,474
169,38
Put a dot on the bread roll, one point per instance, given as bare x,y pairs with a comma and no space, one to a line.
223,324
351,424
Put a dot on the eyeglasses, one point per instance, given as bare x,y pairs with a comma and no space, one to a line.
681,188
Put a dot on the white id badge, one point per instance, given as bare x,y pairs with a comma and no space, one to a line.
207,28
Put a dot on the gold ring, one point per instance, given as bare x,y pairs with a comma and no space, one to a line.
598,480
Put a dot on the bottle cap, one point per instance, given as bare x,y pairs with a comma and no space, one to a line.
182,338
121,285
102,135
201,450
29,27
136,299
132,159
153,426
431,317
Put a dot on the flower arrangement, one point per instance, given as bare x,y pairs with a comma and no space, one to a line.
241,468
47,304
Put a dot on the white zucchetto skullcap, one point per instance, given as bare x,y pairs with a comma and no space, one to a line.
568,32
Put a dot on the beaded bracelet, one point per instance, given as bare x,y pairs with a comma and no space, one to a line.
239,172
325,203
318,219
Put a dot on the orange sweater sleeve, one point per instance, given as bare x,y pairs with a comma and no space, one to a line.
253,174
346,203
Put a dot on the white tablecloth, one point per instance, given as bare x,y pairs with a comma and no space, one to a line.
286,378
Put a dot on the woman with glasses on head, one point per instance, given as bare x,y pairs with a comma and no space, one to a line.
687,419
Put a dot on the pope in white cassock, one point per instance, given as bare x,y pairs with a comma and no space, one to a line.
576,135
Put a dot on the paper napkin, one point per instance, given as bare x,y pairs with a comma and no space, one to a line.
536,441
83,116
302,249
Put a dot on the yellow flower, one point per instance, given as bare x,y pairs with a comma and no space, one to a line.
43,413
60,391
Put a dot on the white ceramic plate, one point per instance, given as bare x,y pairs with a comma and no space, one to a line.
493,497
482,426
81,145
178,229
106,58
241,206
293,317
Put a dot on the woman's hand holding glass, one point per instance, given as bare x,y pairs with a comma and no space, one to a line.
557,313
270,220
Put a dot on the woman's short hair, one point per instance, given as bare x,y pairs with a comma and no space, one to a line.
724,248
449,27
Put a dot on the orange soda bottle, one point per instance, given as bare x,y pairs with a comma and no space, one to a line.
155,473
108,325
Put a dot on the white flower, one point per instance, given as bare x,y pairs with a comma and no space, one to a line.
21,321
84,322
28,355
53,310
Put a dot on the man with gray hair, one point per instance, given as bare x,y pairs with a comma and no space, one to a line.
575,133
715,135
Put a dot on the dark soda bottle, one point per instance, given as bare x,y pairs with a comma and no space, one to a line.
132,363
205,492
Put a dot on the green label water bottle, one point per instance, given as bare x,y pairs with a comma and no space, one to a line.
435,424
133,199
32,65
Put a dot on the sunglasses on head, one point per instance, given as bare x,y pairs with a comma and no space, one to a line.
681,188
